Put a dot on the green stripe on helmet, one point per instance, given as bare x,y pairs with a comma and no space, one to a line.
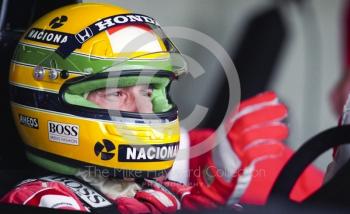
46,57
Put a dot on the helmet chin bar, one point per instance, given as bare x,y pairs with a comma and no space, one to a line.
68,166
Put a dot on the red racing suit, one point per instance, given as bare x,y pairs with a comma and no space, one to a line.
70,193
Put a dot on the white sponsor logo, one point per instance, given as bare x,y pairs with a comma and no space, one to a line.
63,133
47,36
152,153
85,193
83,36
28,121
122,19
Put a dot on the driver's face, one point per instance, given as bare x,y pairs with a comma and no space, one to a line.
133,99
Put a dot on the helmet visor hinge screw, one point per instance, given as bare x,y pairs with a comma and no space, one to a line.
39,72
64,74
53,74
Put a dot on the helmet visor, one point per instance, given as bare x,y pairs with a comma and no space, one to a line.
138,86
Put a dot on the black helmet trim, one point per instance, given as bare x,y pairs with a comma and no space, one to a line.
123,73
117,173
84,35
49,101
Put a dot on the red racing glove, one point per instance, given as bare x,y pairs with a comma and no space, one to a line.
256,134
190,200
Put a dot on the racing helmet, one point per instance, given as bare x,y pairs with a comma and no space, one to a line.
81,48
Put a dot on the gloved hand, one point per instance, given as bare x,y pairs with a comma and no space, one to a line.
164,197
154,198
190,200
256,133
257,130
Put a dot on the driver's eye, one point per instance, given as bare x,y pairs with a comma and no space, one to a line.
113,95
147,92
